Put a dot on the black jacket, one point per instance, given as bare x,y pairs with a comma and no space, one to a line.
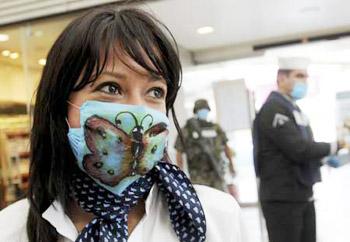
287,159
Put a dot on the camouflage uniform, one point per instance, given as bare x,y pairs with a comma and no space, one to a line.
200,167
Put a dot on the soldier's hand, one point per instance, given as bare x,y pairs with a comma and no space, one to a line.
232,189
232,171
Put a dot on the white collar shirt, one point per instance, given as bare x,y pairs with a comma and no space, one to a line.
221,211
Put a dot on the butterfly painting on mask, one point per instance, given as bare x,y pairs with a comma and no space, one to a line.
118,153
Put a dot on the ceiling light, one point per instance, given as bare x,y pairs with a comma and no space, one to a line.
14,55
4,37
205,30
310,9
6,53
42,62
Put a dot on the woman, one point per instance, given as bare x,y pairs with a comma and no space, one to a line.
99,168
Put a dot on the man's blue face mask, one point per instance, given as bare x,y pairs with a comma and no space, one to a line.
203,113
118,143
299,90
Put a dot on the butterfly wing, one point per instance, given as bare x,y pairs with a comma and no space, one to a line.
154,141
110,158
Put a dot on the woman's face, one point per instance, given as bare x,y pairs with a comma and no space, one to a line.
122,83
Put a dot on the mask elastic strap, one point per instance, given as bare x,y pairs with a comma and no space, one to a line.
74,105
67,123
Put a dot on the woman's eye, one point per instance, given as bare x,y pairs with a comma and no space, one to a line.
112,89
157,93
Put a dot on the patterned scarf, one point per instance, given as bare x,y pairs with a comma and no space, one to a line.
111,211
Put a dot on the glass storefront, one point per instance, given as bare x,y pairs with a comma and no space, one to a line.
23,51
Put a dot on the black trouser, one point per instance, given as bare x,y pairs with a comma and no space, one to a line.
290,222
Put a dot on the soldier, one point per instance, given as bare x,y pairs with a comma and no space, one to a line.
204,144
287,159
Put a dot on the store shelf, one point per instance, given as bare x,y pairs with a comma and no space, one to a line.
14,158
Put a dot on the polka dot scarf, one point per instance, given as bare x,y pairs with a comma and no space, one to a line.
111,211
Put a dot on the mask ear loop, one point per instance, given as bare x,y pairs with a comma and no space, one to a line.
68,123
75,106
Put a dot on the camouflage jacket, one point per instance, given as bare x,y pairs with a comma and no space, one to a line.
199,165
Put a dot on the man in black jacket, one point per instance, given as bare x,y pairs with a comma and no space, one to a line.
287,159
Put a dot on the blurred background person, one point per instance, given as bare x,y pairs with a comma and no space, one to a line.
287,159
209,158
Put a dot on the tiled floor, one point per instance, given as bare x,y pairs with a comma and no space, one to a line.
254,230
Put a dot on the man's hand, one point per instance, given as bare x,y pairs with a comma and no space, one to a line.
333,162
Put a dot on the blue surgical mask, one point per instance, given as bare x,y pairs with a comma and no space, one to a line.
203,113
116,143
299,90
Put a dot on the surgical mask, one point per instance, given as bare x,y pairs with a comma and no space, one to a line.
299,90
203,113
116,143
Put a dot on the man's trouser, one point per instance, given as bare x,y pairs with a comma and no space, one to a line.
290,221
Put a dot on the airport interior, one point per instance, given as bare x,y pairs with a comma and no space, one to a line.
229,51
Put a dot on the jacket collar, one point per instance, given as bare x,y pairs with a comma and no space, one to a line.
56,216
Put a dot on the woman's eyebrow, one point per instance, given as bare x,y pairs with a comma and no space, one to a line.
114,74
151,77
154,77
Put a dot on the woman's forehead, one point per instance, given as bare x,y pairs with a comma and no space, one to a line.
122,62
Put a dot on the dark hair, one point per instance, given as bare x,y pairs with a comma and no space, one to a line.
80,53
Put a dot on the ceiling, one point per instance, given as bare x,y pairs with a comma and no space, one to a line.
238,22
238,26
12,11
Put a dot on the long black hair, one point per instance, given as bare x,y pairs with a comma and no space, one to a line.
77,58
